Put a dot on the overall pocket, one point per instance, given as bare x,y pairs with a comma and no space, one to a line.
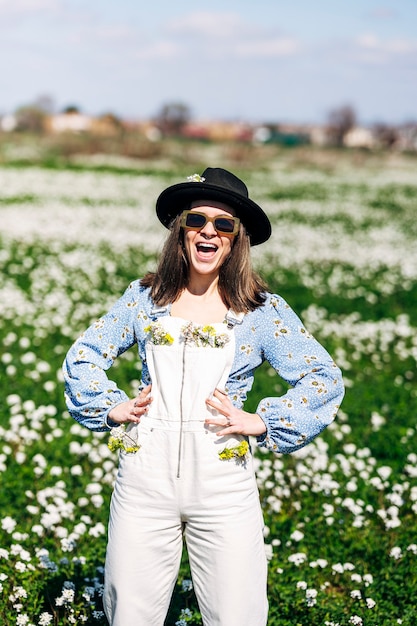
136,439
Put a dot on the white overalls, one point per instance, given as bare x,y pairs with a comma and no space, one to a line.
176,485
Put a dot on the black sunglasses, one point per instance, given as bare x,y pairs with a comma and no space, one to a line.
225,224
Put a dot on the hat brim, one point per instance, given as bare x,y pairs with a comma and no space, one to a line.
176,198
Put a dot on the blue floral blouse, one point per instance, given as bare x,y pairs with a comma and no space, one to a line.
272,333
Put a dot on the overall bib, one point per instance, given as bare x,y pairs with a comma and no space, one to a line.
176,486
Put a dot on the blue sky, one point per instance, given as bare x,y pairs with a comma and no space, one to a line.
255,60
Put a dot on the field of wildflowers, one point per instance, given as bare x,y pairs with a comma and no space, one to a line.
341,514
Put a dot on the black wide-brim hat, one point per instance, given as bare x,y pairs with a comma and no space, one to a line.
218,184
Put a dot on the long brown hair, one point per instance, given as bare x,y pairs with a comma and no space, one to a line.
240,287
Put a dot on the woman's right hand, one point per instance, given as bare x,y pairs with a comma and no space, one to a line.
132,410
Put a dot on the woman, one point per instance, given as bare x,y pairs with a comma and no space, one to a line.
203,322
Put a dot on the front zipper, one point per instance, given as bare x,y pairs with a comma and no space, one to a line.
232,321
181,411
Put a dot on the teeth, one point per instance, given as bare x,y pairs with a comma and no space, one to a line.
207,246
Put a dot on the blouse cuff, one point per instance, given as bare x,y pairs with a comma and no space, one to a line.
262,439
108,422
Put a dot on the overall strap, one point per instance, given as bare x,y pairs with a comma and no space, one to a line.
159,311
233,318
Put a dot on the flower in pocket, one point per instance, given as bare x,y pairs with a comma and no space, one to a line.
121,440
158,335
203,336
238,452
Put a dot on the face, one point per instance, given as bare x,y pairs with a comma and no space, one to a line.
207,249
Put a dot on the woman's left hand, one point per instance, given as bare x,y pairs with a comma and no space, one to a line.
235,421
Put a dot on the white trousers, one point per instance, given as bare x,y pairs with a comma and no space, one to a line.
214,504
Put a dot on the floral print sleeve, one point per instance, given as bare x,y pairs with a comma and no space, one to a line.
90,395
295,418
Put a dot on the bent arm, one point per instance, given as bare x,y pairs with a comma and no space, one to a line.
296,418
89,393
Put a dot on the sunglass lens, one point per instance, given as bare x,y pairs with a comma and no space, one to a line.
195,220
224,224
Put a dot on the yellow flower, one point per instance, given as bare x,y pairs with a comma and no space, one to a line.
157,334
237,452
203,336
120,440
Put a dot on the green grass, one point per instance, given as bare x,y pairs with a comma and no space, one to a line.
340,516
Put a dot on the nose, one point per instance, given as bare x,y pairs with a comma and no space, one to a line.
208,230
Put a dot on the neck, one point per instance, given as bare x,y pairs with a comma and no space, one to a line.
203,286
200,302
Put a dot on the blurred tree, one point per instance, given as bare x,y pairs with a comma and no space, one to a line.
386,136
45,103
112,120
71,108
108,124
340,122
172,118
30,118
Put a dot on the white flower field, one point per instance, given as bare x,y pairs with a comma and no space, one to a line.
341,514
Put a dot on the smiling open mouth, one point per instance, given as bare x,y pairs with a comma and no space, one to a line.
206,248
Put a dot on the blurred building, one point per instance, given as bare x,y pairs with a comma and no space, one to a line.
359,137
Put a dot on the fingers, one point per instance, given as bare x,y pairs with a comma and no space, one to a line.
132,410
233,421
140,405
221,403
220,395
229,429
